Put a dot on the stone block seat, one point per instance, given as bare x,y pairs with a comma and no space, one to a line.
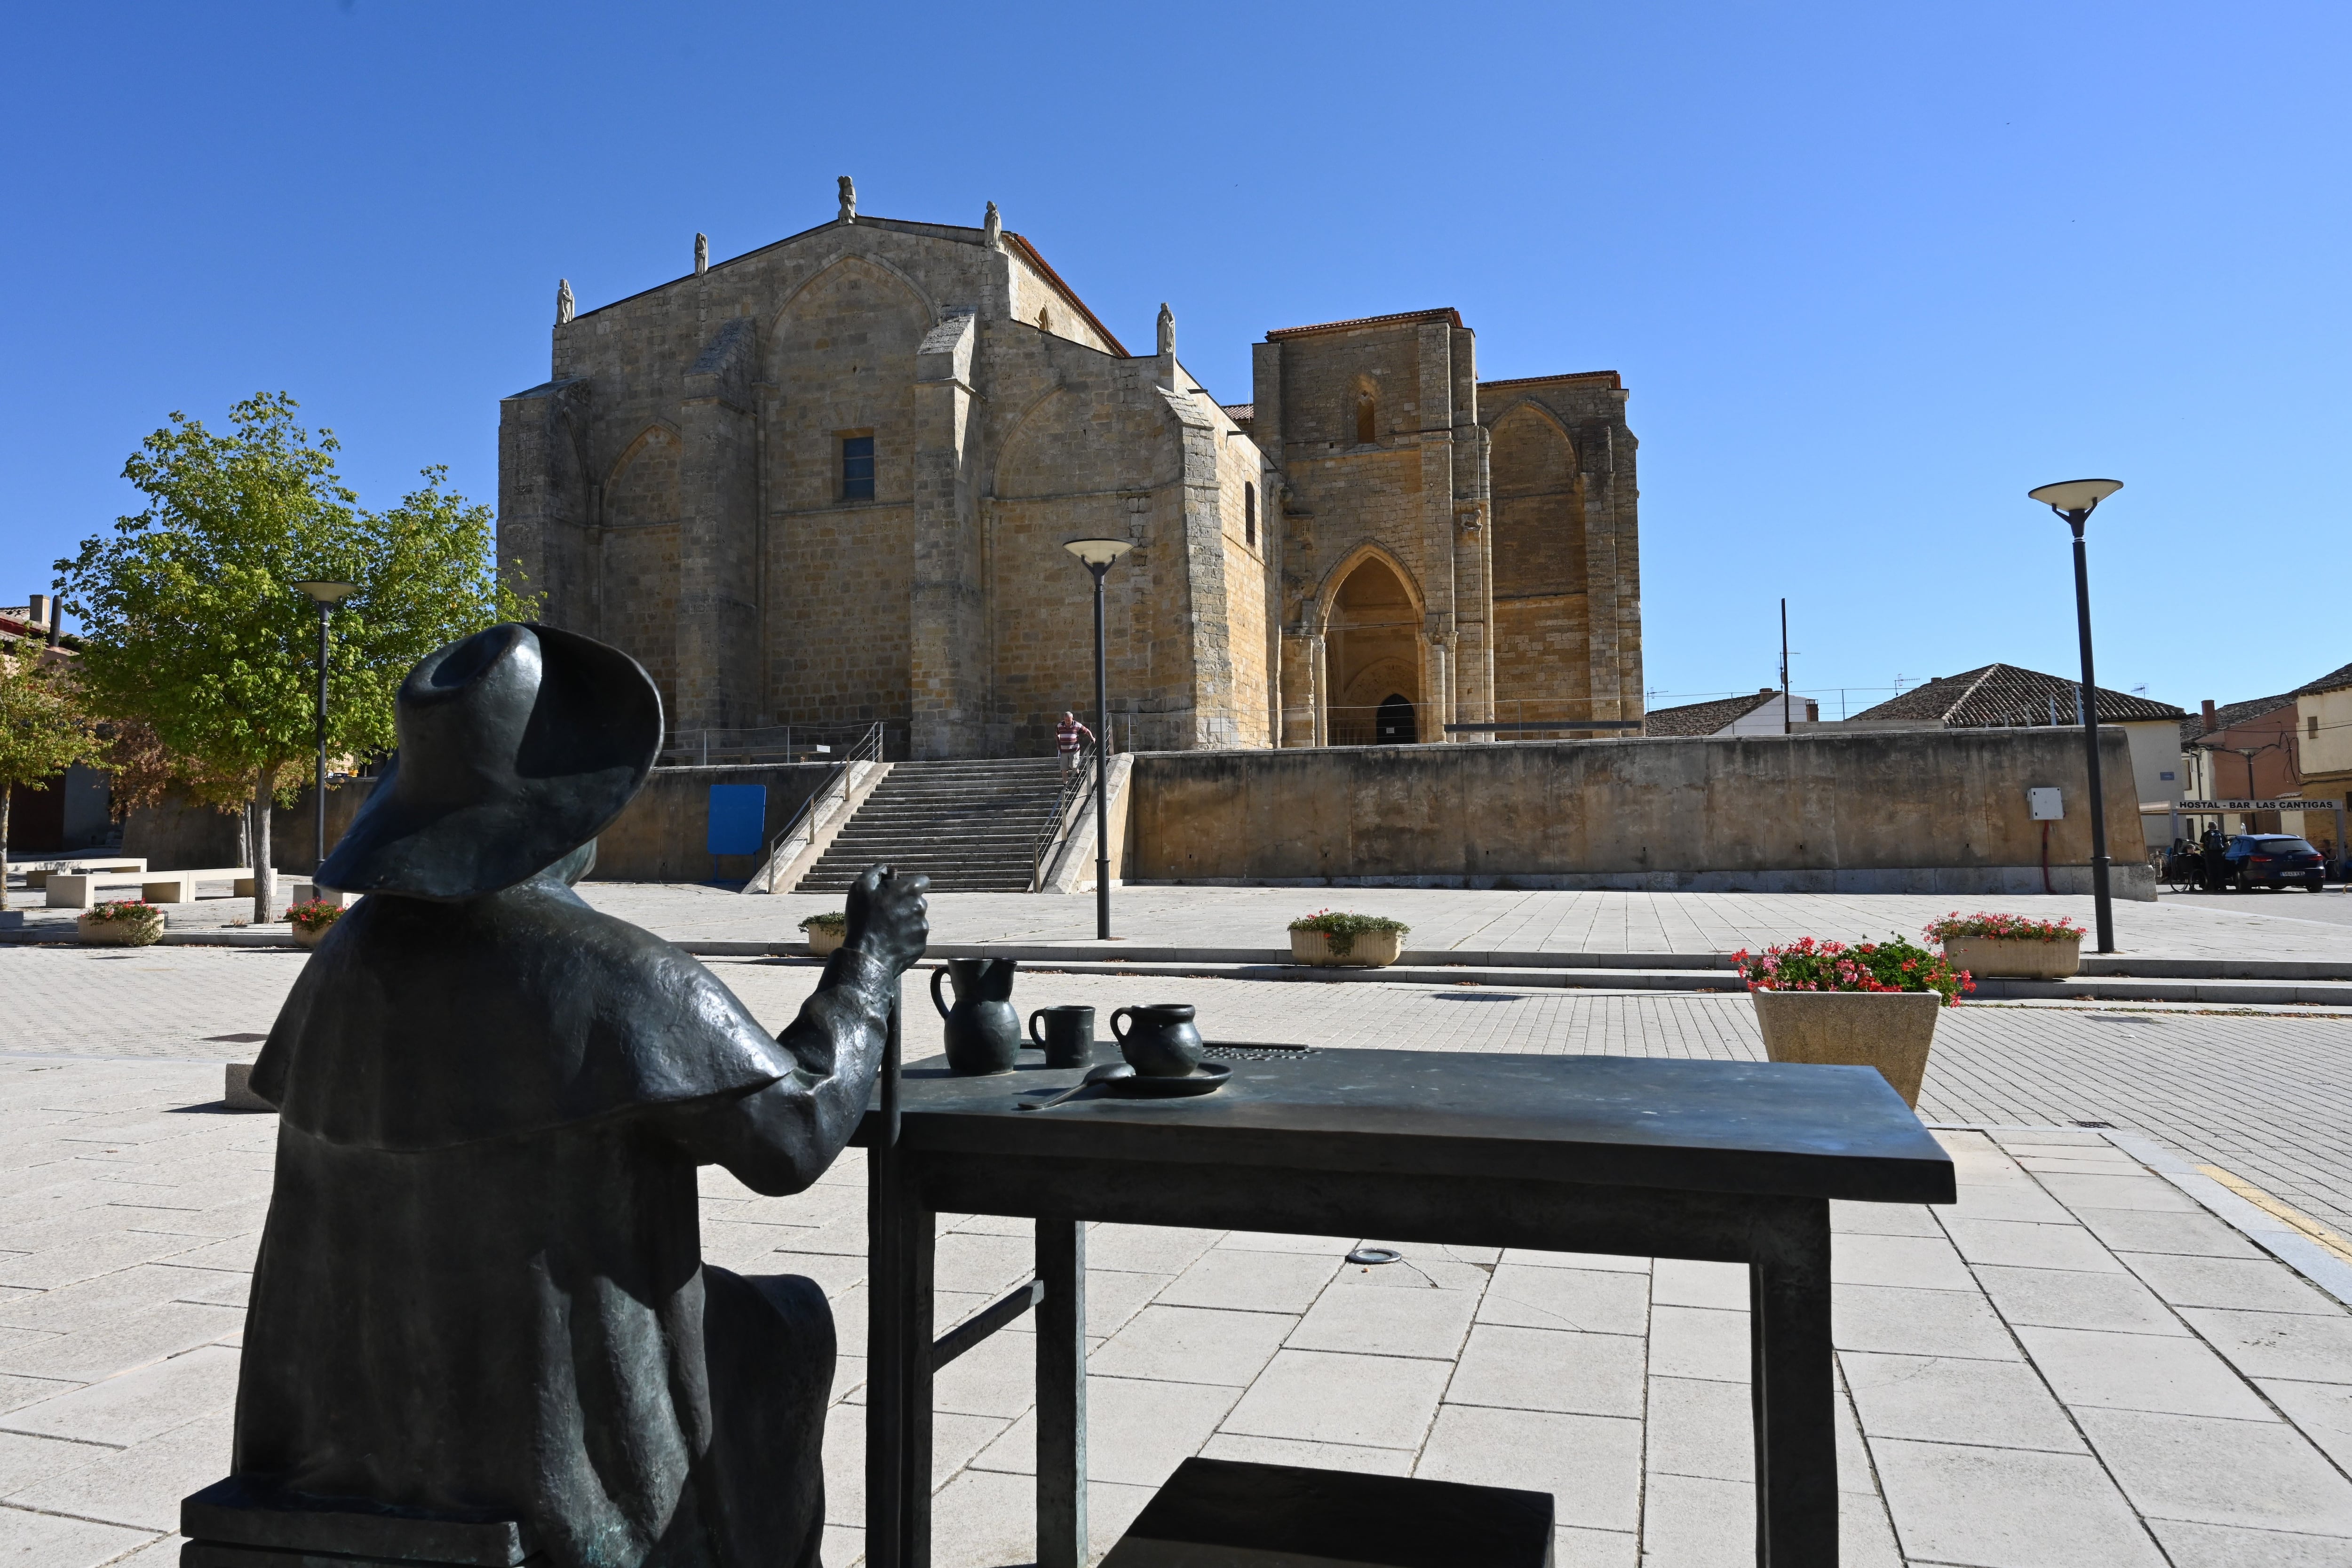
38,876
231,1524
79,890
1238,1515
180,887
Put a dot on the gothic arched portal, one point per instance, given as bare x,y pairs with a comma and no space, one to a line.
1373,648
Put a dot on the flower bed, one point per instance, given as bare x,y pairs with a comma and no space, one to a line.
313,920
2010,947
1333,937
1809,964
2002,928
122,922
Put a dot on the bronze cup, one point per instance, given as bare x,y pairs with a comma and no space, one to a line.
1068,1041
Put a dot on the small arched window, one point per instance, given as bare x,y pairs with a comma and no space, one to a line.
1045,320
1367,418
1249,515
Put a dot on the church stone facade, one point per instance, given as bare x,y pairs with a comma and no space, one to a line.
829,481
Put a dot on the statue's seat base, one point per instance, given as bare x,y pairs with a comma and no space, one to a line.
1221,1513
236,1523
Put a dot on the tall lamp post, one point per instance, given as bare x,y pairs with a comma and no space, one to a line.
1098,554
328,594
2074,500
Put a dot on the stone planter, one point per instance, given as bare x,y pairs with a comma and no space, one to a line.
1991,958
97,933
1889,1030
1370,950
825,939
310,936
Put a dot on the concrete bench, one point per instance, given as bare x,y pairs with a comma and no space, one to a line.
73,890
180,887
38,876
79,890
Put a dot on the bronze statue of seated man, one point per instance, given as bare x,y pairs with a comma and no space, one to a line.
480,1293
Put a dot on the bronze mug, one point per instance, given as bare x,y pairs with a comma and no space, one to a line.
1070,1038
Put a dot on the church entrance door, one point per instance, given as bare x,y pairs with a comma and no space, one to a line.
1393,724
1374,650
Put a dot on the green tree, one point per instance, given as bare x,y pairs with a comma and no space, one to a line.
42,729
191,624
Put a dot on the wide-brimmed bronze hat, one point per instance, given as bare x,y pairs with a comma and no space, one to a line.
518,745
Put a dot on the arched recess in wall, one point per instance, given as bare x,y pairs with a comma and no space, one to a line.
1364,411
1069,442
1086,460
1372,620
841,354
637,598
1538,504
641,487
823,278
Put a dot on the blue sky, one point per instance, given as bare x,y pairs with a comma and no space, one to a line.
1870,271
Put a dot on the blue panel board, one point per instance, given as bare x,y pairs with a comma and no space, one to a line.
739,816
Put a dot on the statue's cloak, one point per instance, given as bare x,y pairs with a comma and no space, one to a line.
480,1286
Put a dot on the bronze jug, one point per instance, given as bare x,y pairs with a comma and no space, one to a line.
1160,1040
983,1032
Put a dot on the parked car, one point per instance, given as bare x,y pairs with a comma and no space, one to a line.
2273,860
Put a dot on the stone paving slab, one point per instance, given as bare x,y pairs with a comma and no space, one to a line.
2018,1412
2275,926
129,1204
2258,1094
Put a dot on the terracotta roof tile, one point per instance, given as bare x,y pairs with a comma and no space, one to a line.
2231,715
1607,377
2334,680
1704,718
1998,696
1446,313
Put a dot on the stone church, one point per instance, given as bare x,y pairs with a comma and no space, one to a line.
829,481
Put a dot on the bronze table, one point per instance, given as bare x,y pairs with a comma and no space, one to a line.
1725,1162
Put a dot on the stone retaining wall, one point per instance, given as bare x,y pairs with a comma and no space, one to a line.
1935,811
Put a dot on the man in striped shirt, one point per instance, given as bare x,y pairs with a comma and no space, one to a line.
1069,735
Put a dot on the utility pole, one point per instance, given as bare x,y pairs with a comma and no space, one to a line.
1785,727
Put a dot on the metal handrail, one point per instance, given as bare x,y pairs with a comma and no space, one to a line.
867,749
773,744
1073,794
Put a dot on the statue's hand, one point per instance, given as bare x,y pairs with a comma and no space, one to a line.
888,918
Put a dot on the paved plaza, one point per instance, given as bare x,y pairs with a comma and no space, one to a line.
2089,1359
2290,925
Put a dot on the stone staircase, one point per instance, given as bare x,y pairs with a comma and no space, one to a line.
970,826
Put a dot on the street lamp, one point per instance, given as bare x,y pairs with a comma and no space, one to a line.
329,595
2074,500
1098,554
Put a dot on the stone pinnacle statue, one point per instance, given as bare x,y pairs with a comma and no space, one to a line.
1167,330
480,1302
701,254
992,229
563,302
848,200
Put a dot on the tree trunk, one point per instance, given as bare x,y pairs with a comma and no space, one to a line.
4,846
265,878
